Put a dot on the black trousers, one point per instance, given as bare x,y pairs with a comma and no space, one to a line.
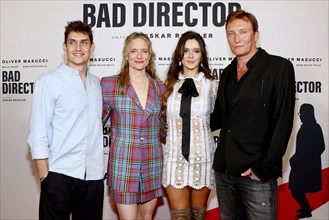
62,196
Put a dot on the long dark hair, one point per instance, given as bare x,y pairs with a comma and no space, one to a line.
178,54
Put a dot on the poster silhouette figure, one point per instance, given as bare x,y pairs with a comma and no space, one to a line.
305,175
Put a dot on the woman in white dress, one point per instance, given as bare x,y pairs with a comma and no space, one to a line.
189,150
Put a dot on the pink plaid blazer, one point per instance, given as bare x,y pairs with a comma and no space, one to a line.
135,155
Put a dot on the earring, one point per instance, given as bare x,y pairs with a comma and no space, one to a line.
180,63
201,64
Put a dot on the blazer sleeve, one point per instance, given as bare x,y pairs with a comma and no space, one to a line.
281,121
163,119
106,86
215,122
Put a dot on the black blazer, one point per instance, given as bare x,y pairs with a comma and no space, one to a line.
256,130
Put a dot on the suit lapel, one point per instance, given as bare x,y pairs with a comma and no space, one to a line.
223,85
151,97
255,73
132,94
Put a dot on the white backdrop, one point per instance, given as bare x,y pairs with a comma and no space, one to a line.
32,34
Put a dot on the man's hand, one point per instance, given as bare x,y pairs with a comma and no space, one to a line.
250,174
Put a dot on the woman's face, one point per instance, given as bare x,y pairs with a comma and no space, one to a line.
192,56
138,55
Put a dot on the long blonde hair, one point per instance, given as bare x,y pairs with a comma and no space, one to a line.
123,76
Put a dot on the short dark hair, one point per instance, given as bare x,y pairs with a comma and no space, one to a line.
78,26
241,14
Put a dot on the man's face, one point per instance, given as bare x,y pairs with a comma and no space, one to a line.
241,38
78,49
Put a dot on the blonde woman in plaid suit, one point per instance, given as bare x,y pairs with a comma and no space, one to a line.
132,103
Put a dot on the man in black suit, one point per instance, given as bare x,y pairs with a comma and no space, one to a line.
255,111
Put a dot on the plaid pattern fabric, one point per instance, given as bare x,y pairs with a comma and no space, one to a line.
135,155
129,198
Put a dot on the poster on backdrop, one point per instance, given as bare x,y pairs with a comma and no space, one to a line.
32,33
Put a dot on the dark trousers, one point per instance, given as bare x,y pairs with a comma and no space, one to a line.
62,196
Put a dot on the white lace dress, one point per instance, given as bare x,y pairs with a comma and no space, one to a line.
197,172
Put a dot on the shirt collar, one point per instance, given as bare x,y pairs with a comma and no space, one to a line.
253,59
250,63
198,77
71,71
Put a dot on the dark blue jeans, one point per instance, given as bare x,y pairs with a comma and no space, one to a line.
244,198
